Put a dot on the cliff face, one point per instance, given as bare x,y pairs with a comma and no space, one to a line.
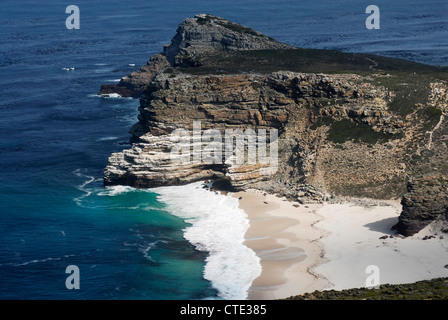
359,132
218,102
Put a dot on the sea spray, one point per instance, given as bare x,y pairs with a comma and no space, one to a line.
218,227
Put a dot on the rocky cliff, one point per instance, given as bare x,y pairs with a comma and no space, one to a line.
194,38
426,201
133,84
348,124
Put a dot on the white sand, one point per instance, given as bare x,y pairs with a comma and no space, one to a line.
329,246
353,244
284,238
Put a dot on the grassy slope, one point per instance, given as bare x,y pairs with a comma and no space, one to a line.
435,289
304,60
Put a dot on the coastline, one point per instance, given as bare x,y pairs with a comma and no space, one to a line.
303,248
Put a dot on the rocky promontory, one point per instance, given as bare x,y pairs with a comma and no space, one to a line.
194,37
348,124
133,84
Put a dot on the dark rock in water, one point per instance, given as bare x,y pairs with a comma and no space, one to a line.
383,237
426,200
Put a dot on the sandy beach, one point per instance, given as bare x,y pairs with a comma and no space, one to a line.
310,247
283,235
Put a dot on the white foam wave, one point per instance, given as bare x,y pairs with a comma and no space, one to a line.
111,95
82,186
107,138
94,95
19,264
114,95
218,227
115,190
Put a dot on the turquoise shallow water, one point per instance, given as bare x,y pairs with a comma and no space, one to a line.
56,135
126,245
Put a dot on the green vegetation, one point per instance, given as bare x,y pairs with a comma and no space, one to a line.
202,21
322,121
343,130
228,24
410,88
305,60
435,289
346,130
374,189
206,18
432,115
237,27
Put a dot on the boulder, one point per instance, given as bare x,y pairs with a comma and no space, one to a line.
426,200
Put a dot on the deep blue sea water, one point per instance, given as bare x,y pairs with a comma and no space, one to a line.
56,136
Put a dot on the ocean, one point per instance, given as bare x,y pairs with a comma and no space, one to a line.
56,135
